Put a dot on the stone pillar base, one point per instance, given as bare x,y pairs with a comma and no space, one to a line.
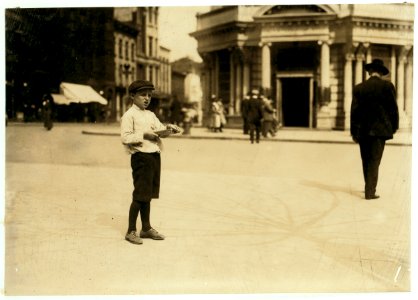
324,118
347,122
404,121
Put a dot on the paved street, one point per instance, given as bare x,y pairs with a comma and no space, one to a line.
274,217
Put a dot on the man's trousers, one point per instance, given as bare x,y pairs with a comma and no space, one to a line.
371,150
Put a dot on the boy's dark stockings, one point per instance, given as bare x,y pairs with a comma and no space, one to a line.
143,207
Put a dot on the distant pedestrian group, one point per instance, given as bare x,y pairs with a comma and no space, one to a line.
259,116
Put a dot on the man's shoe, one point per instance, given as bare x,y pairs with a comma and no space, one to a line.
151,234
372,197
133,238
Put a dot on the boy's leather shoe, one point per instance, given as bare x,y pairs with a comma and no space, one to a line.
371,197
151,234
133,238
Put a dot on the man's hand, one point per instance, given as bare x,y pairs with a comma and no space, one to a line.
355,139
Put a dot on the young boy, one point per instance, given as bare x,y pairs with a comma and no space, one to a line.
140,133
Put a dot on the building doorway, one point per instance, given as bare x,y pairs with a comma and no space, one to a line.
295,94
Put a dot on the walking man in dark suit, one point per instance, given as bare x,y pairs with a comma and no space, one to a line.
254,116
374,119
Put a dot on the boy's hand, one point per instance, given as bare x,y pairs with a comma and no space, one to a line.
174,128
151,136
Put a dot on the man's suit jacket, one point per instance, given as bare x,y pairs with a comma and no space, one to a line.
254,111
374,111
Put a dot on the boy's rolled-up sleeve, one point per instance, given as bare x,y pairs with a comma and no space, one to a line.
128,135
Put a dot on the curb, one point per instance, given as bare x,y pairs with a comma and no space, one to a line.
246,139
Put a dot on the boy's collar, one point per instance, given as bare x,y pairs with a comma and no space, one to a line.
137,107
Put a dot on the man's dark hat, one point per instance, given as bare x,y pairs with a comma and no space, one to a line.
377,65
140,85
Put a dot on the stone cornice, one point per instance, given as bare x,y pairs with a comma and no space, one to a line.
381,23
238,27
295,19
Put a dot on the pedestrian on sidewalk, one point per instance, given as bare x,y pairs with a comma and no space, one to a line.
141,131
215,115
374,119
254,115
47,111
244,112
268,118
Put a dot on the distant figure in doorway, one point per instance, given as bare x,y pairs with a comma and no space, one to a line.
254,115
47,111
374,119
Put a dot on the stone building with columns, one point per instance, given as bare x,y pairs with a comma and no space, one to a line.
307,58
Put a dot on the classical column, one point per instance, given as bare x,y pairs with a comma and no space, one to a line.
400,83
400,86
238,89
368,48
359,68
348,88
325,68
323,116
216,75
409,87
246,72
231,83
265,68
392,67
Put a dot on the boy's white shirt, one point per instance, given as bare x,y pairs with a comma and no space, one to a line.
134,123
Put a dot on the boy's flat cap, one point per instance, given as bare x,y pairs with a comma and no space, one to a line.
139,85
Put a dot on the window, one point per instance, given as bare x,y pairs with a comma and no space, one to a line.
127,50
150,46
120,48
133,52
150,15
120,74
150,74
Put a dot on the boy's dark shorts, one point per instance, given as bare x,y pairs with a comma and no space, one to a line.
146,172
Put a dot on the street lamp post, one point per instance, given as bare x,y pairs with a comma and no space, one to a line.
126,101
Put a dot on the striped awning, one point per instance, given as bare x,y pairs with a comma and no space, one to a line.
77,93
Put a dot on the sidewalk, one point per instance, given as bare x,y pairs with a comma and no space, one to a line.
401,138
271,218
